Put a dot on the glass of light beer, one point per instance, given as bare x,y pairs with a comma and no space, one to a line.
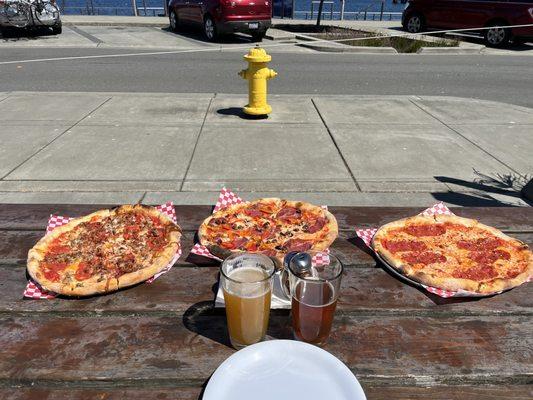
314,282
246,281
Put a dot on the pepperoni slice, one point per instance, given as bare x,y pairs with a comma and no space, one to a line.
318,225
513,273
251,212
58,249
425,230
297,245
477,272
288,212
268,233
83,272
427,257
269,252
480,244
395,246
488,257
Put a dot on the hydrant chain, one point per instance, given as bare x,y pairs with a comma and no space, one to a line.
257,75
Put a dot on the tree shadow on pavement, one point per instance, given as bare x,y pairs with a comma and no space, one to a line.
482,187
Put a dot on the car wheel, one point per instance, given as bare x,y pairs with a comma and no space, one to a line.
415,23
210,29
173,18
258,36
57,29
497,36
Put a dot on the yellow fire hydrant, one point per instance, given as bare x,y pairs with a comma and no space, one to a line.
257,75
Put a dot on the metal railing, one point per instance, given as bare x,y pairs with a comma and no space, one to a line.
326,3
139,8
354,15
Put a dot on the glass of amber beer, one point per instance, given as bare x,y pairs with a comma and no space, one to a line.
246,281
314,290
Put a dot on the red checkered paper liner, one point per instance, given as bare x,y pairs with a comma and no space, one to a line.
440,208
35,291
228,198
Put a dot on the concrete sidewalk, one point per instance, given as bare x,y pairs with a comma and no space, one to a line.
336,150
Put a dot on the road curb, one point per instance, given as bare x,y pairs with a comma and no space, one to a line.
450,50
338,48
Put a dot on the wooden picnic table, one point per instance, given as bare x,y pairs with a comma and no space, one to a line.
164,340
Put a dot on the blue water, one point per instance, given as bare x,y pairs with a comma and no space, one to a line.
124,7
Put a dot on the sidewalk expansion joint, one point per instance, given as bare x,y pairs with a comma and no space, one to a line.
53,140
467,139
336,146
86,35
196,143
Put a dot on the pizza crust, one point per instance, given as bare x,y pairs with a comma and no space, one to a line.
449,283
322,245
96,285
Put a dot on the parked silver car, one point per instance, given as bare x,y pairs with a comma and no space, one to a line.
30,13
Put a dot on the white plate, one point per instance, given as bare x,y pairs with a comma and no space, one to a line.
283,370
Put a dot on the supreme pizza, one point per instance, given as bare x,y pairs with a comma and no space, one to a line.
269,226
104,251
453,253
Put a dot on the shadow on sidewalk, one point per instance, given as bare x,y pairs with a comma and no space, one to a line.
500,184
238,112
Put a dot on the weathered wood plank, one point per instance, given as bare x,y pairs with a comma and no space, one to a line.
186,349
519,392
364,291
35,216
523,392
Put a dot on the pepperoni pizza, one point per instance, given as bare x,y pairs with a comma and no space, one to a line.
104,251
450,252
270,226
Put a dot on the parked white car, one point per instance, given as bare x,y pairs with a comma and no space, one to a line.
30,13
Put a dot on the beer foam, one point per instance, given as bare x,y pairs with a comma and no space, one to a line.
247,284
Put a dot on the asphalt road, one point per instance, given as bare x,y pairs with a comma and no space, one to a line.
492,77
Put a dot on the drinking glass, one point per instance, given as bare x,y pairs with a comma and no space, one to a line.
314,287
246,281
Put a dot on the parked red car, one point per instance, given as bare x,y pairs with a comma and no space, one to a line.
219,17
420,15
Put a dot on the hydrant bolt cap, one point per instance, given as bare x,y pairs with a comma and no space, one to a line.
257,54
